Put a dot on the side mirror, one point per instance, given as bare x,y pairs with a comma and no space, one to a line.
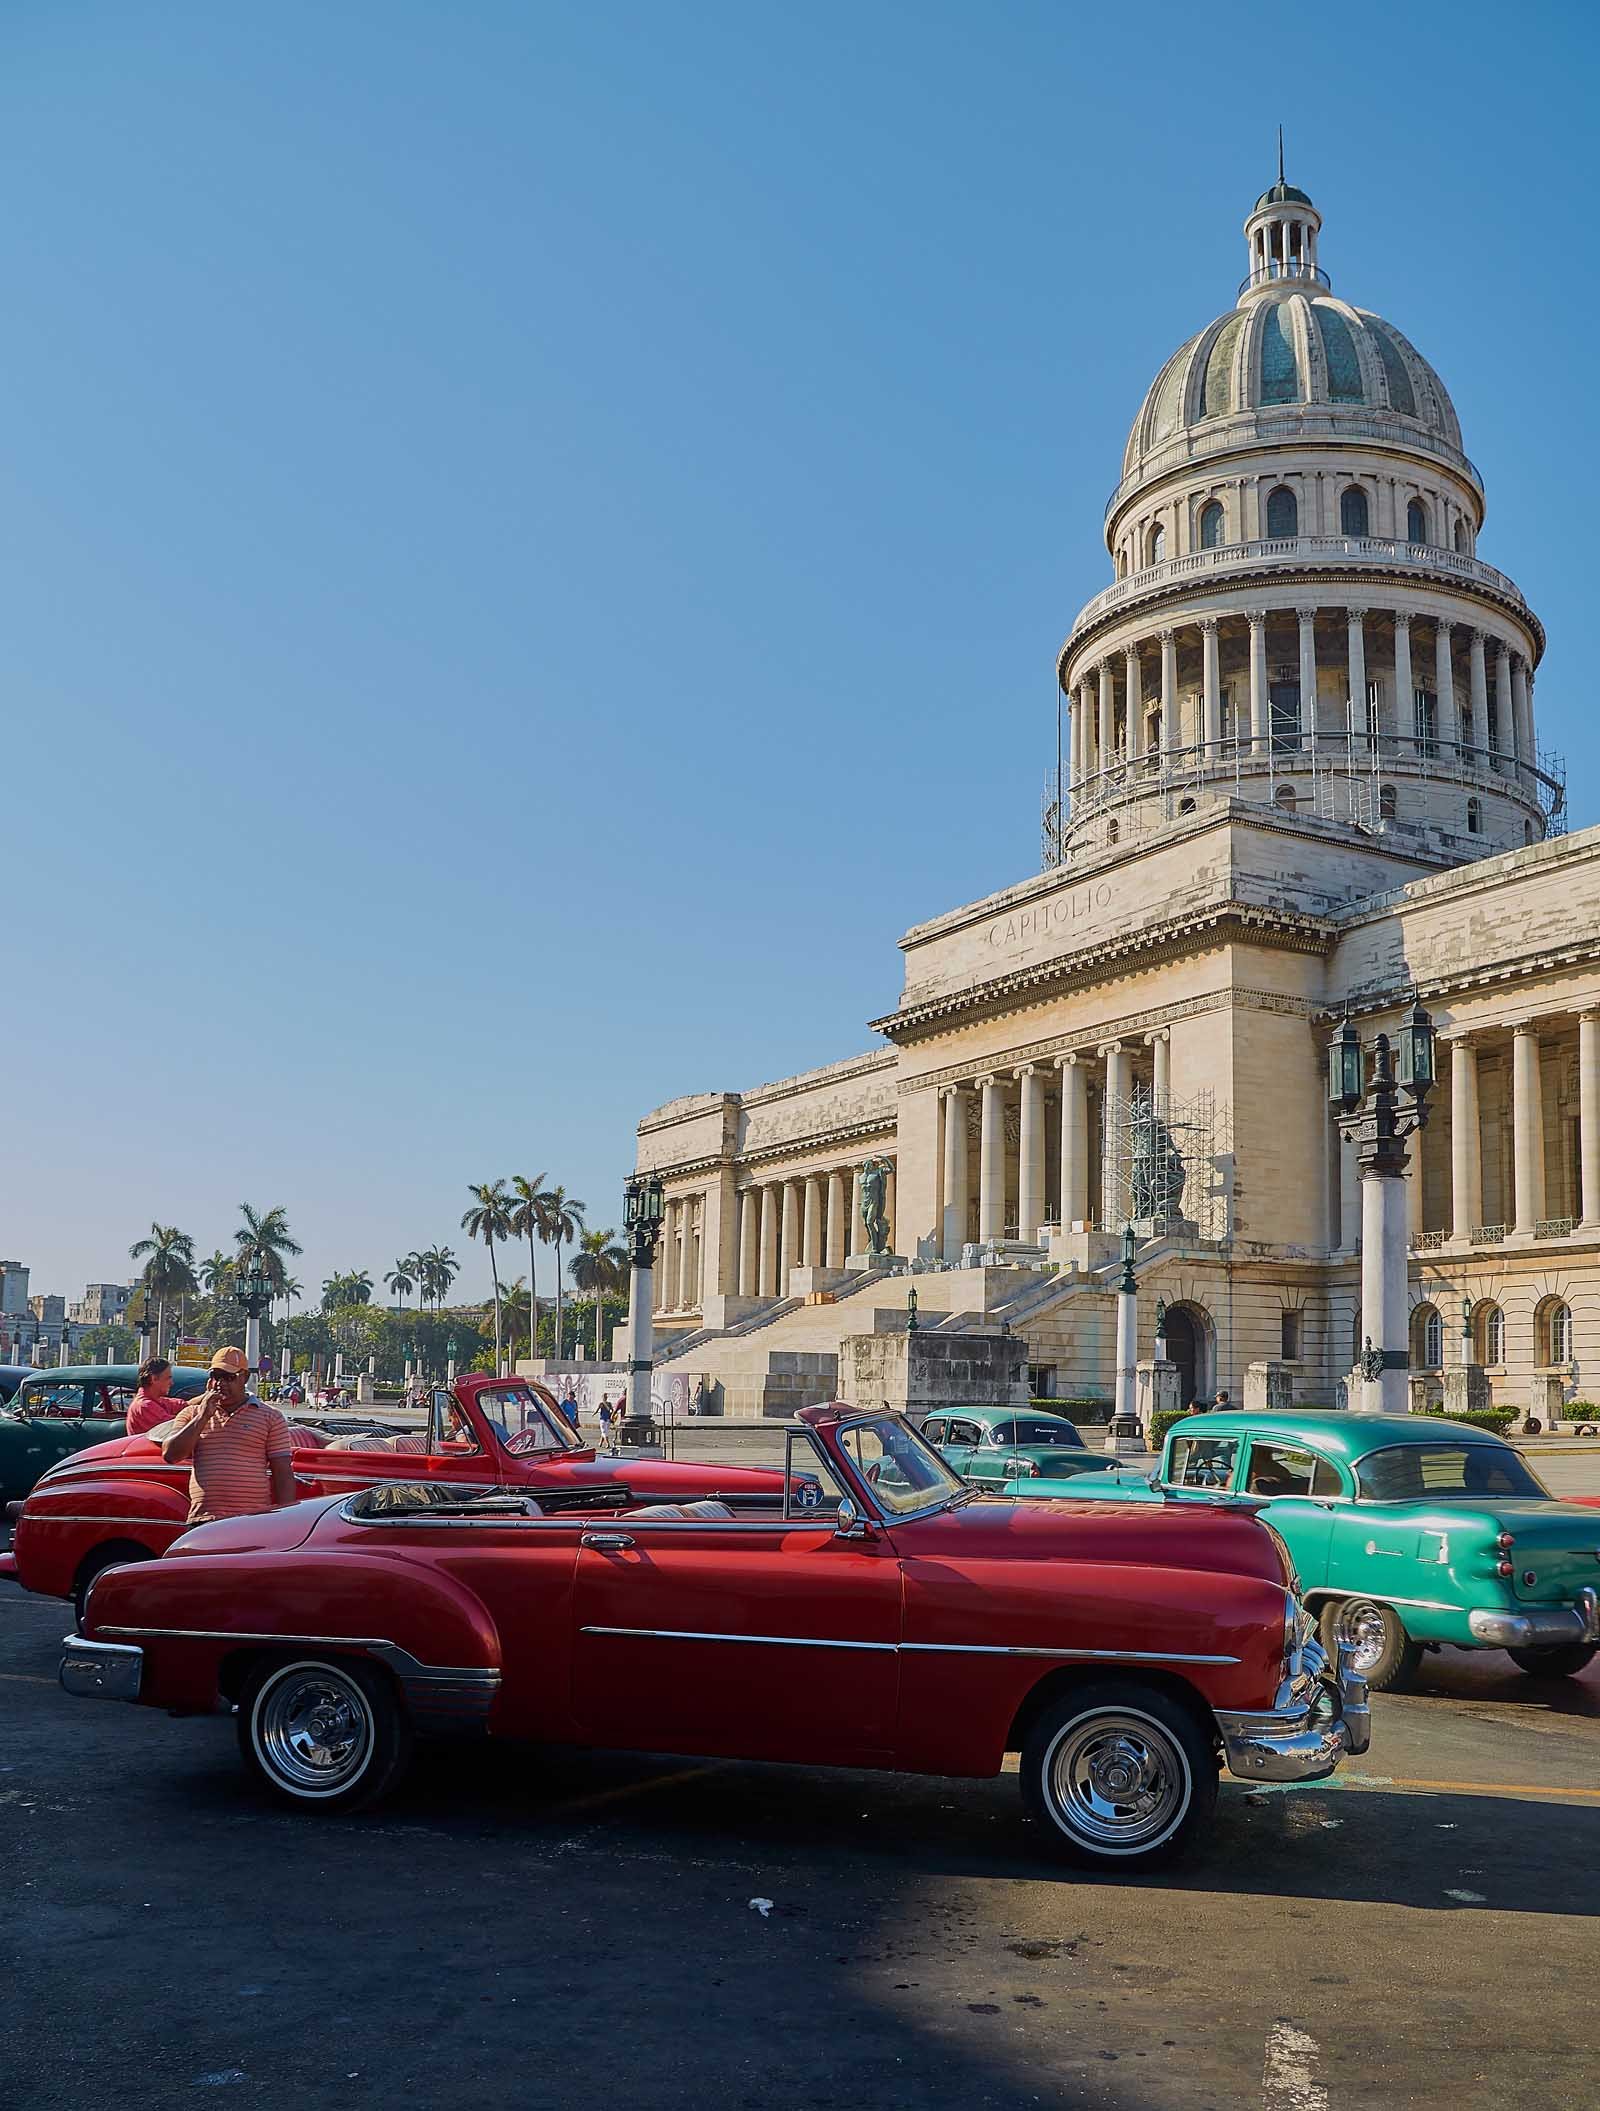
849,1524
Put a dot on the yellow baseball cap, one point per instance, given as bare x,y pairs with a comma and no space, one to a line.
233,1360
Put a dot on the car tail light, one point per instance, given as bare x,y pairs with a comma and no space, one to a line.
1505,1542
1025,1469
1505,1568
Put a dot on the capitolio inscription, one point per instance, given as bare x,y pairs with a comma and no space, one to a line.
1048,919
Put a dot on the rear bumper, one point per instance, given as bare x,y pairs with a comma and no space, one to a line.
1307,1737
102,1671
8,1566
1543,1626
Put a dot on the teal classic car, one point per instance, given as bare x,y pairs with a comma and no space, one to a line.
1408,1532
54,1412
1004,1443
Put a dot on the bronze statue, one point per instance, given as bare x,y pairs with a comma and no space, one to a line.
875,1205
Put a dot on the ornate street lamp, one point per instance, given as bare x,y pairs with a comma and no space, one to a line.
252,1288
1125,1433
1377,1106
911,1311
644,1209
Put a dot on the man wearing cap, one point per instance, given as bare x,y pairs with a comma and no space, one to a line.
240,1454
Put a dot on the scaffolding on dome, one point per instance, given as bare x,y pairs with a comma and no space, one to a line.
1169,1165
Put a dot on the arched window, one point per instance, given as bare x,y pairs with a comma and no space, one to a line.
1427,1338
1388,803
1122,564
1284,797
1416,521
1353,511
1283,513
1186,806
1112,831
1211,526
1489,1335
1527,831
1554,1324
1158,542
1474,817
1461,538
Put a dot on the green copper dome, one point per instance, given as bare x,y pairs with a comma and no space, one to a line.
1283,193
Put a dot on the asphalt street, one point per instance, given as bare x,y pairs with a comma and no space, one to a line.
541,1930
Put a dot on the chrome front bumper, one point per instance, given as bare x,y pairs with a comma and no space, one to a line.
101,1671
1309,1733
1546,1626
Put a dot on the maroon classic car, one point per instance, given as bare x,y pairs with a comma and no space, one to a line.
887,1615
120,1501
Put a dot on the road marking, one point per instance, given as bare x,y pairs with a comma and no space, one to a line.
26,1678
1551,1792
1287,2081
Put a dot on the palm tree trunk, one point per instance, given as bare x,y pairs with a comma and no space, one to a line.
499,1361
558,1300
533,1299
599,1301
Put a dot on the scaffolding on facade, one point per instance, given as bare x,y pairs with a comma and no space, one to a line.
1168,1165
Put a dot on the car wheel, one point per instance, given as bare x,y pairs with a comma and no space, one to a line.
95,1565
1119,1775
1562,1661
1385,1655
324,1734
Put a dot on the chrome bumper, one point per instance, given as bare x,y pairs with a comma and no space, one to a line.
101,1671
1545,1626
1309,1733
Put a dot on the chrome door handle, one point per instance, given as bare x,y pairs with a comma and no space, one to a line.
608,1542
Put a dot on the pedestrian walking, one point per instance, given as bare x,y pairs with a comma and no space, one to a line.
605,1422
152,1404
239,1451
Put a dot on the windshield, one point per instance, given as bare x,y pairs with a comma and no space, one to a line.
523,1421
1415,1472
903,1471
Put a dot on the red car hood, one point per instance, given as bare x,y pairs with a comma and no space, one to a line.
1153,1535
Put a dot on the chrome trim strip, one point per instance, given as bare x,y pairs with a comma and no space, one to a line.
255,1634
690,1634
105,1517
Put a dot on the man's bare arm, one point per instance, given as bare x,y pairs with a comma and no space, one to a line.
283,1487
181,1443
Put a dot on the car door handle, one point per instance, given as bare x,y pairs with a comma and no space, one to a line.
607,1542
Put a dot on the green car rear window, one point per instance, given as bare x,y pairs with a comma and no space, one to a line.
1413,1472
1040,1432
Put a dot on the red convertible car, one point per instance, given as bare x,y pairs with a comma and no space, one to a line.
120,1501
887,1615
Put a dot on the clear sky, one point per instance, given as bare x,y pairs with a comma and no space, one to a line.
533,538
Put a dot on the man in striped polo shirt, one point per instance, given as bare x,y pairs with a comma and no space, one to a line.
240,1454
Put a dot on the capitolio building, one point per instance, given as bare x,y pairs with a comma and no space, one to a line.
1302,781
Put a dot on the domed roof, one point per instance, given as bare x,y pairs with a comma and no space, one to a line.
1283,351
1283,193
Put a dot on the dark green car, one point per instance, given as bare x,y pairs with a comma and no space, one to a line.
1002,1443
56,1412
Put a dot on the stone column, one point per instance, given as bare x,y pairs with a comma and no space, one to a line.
1160,1047
1116,1061
1030,1175
1510,724
1466,1143
1170,742
790,1257
1308,671
1108,715
1211,685
1444,680
1354,618
1589,1114
1133,689
953,1232
1480,696
1260,702
991,1161
811,1250
1527,1126
1349,1199
1405,695
1385,1317
767,1282
1074,1141
835,1253
1522,706
749,1243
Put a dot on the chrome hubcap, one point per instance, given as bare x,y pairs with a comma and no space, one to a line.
1363,1627
314,1730
1118,1781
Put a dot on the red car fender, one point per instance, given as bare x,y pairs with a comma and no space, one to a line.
201,1619
65,1521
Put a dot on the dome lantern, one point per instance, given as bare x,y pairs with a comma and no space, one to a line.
1281,237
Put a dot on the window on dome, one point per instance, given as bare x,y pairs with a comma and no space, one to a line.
1283,514
1284,698
1280,377
1416,521
1284,797
1402,396
1461,538
1216,388
1344,367
1474,817
1425,708
1157,543
1353,511
1112,831
1211,526
1388,803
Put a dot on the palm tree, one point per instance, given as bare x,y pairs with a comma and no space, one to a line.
216,1273
489,1219
515,1315
168,1271
526,1223
402,1279
445,1268
264,1234
600,1264
350,1287
560,1222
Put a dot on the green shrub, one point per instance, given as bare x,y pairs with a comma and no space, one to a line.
1497,1419
1162,1421
1086,1413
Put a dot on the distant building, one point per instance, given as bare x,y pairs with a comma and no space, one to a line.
50,1311
101,1305
13,1288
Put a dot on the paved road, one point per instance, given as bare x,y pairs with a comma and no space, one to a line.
537,1931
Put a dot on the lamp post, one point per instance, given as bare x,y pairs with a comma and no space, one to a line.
644,1206
1466,1331
450,1368
911,1311
1124,1433
253,1290
1161,1330
1377,1106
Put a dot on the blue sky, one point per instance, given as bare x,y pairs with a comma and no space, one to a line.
533,538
